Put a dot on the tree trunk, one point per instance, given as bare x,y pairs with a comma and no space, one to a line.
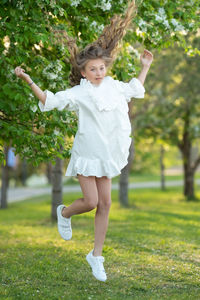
56,187
24,172
5,180
186,148
162,167
189,182
123,181
188,172
49,172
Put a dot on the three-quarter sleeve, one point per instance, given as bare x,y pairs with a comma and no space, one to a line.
131,89
60,100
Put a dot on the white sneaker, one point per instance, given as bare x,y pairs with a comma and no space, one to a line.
64,224
96,263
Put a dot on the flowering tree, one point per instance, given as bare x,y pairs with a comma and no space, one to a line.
27,39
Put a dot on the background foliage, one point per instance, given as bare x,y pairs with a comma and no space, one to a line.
26,39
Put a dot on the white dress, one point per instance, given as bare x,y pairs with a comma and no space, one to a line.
101,145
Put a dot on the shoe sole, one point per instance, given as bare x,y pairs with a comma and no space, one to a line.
88,260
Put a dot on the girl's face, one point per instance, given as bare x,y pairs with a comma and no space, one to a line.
95,71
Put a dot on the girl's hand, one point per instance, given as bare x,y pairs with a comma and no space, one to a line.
21,74
146,58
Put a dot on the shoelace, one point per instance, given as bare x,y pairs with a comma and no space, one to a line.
100,261
65,225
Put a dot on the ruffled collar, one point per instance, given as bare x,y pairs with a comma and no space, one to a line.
103,95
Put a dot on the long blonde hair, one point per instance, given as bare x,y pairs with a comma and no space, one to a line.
104,47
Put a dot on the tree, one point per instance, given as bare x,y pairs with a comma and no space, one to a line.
174,111
28,39
5,180
157,25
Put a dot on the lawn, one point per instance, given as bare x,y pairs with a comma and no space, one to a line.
135,178
152,250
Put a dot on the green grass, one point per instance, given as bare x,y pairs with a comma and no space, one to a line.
138,178
152,250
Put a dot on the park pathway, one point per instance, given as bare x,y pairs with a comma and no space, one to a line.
23,193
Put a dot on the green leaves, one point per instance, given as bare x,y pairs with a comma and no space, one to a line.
173,98
27,40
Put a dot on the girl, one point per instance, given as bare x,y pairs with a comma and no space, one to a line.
101,145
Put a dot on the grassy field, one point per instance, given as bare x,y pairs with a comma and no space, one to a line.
152,250
134,178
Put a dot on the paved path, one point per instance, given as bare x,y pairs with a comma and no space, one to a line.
22,193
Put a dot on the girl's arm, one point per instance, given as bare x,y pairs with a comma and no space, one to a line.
36,90
146,59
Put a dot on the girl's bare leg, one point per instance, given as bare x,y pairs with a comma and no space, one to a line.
89,200
102,213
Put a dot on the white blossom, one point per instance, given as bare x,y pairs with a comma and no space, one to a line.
98,28
34,108
52,3
56,132
86,19
139,32
42,125
156,36
105,5
159,18
43,145
52,76
166,23
20,5
134,51
75,2
52,85
94,24
174,22
53,70
101,27
178,26
61,11
26,149
162,12
141,23
137,54
130,48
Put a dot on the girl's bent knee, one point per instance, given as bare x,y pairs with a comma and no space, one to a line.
92,204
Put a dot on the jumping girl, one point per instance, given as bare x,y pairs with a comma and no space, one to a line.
101,145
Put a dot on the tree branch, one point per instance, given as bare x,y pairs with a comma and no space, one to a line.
21,124
197,162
